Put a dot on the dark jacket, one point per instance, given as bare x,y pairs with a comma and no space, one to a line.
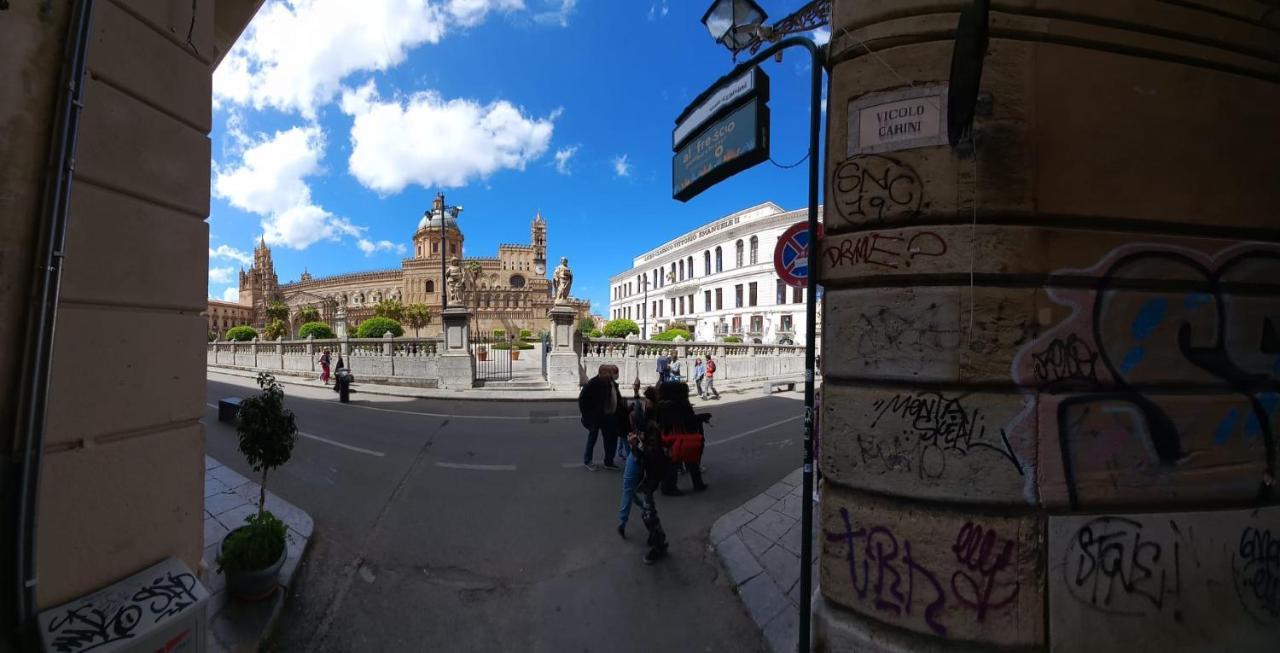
593,401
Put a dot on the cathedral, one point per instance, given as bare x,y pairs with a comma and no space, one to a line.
510,291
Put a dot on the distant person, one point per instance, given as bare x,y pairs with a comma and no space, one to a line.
711,378
675,368
324,367
598,403
622,416
664,367
639,415
682,433
699,371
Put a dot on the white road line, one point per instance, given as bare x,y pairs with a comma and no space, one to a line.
482,468
755,430
213,406
524,418
344,446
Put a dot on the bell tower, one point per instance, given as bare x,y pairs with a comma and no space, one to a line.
539,242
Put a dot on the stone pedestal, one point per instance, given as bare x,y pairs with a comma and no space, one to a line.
563,369
457,366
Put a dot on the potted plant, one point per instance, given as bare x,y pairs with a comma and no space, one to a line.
251,556
482,353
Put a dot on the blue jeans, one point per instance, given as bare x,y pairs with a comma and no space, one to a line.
609,430
630,479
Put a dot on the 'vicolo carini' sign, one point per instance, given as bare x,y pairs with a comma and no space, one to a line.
900,120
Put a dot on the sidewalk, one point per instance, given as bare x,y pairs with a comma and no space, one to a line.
228,499
759,544
732,391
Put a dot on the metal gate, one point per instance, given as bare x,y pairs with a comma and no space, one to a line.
492,355
545,346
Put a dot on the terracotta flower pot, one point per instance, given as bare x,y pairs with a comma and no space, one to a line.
482,355
515,354
258,584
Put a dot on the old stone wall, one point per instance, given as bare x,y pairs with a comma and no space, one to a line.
1052,358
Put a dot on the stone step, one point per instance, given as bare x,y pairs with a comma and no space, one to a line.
517,384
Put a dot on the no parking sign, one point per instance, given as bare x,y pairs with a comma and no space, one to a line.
791,255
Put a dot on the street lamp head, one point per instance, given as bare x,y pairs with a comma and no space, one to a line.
733,23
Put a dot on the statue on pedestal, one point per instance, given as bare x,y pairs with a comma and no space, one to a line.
455,282
562,281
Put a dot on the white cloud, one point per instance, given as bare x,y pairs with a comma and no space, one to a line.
821,35
220,275
231,253
621,166
657,10
558,16
562,159
295,53
369,247
472,12
432,142
231,294
269,179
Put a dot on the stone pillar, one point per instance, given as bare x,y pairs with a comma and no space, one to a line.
340,324
1020,386
457,364
563,369
388,348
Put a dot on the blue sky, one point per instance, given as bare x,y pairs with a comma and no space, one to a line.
335,123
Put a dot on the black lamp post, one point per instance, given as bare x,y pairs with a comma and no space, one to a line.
739,25
439,209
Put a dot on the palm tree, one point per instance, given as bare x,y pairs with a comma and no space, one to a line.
417,316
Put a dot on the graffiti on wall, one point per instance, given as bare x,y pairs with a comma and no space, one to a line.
889,250
933,426
1205,323
1255,570
875,188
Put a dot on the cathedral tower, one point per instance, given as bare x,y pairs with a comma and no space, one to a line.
539,242
259,286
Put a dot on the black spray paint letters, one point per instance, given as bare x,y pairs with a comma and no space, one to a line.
1113,565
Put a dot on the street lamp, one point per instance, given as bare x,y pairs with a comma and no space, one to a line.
739,25
439,209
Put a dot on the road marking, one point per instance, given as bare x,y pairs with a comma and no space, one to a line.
339,444
482,468
449,416
755,430
211,405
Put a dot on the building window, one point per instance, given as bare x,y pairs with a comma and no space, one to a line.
706,300
706,263
782,293
672,274
682,306
517,281
737,256
737,324
682,270
719,259
719,299
797,295
690,266
673,306
435,247
757,324
751,293
690,298
786,324
431,286
737,296
755,250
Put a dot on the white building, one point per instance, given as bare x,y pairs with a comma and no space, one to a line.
718,279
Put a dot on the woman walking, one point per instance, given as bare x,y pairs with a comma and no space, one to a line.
324,367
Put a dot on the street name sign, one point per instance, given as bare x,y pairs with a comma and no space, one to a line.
723,132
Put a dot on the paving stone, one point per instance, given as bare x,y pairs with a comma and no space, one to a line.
759,504
213,486
756,542
791,541
772,524
783,631
729,523
235,517
781,565
778,490
210,463
229,477
738,560
222,502
792,506
795,478
213,531
763,598
215,581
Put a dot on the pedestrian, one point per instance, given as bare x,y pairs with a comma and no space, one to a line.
664,367
699,371
640,413
710,376
675,367
682,432
622,417
646,443
339,365
598,403
324,367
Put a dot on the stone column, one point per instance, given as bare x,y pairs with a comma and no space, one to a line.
1022,380
457,364
564,371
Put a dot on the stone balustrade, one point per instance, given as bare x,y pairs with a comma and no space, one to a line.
734,361
402,361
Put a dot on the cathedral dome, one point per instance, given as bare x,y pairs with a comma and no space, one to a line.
432,221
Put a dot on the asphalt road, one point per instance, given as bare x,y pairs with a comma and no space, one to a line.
471,526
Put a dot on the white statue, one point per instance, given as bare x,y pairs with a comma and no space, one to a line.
455,281
395,294
562,281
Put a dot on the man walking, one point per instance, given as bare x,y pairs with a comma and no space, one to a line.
711,378
664,367
598,403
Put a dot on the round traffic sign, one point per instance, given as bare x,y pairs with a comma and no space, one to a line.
791,255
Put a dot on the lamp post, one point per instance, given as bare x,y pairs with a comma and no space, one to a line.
739,25
439,209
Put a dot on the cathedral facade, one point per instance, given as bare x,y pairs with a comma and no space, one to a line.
510,291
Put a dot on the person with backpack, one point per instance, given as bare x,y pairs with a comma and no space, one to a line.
324,367
652,463
711,379
682,434
639,415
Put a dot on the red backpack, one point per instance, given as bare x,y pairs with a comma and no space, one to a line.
684,447
711,368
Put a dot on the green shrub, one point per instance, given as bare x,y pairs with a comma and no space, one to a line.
500,346
374,327
595,333
523,345
256,546
586,325
499,333
525,334
732,339
242,333
318,329
621,328
671,334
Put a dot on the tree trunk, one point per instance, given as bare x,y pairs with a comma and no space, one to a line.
262,492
